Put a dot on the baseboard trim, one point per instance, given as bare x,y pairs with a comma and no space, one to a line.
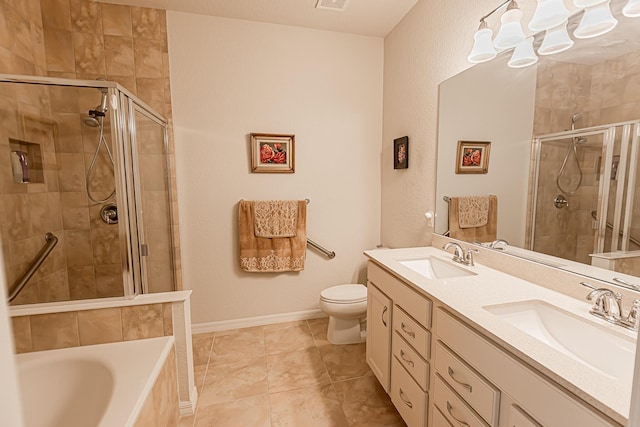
224,325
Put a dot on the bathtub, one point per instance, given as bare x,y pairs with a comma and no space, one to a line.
101,385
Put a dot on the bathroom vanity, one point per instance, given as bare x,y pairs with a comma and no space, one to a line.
471,346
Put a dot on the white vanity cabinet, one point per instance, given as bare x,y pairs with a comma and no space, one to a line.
479,384
407,345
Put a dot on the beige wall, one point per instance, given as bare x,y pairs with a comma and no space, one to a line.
231,78
430,45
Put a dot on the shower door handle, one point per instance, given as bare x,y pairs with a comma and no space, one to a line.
144,249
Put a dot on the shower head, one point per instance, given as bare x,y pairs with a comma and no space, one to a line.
581,140
574,119
102,108
90,120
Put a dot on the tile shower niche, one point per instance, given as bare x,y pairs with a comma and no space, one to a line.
26,162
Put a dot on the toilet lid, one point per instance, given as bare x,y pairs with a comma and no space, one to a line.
345,294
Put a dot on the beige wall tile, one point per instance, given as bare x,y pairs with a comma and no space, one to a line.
106,246
147,23
119,56
78,247
89,53
71,172
167,319
69,132
100,326
86,16
51,331
56,14
109,280
54,287
82,282
161,406
75,212
148,58
59,51
22,334
151,91
143,321
116,20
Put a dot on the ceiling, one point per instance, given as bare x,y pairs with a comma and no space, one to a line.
365,17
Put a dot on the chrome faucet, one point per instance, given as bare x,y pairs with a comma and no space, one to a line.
607,306
459,254
498,244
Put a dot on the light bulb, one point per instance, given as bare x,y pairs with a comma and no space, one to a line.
556,40
632,9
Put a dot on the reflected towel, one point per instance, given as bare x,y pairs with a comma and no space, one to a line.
485,233
260,254
473,211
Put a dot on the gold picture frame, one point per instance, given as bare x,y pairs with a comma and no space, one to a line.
473,157
272,153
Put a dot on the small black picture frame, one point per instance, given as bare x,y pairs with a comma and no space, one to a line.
401,153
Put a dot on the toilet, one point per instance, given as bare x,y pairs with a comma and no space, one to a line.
345,305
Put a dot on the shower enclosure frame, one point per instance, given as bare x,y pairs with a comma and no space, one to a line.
630,135
126,174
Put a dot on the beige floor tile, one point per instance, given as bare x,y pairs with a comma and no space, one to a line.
288,337
345,362
251,412
365,403
319,330
299,369
239,344
232,381
199,373
202,348
315,406
187,421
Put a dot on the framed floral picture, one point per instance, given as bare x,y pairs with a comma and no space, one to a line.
401,153
473,157
272,153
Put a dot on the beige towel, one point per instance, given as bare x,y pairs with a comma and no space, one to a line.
485,233
259,254
473,211
275,218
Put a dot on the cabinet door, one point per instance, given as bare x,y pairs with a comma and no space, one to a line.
379,334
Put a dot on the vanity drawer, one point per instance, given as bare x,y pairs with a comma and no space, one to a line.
471,386
412,362
407,396
439,420
452,407
418,337
412,302
519,418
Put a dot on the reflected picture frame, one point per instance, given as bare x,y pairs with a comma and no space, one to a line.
473,157
401,153
272,153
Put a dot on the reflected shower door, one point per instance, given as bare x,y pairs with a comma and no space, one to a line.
153,204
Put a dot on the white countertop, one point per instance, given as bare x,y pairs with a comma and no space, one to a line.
467,295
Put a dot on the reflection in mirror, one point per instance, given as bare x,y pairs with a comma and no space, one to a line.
566,195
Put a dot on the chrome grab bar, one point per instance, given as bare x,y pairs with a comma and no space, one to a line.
21,282
327,252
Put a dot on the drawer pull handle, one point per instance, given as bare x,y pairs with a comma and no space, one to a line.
410,333
467,386
384,311
406,402
449,410
409,361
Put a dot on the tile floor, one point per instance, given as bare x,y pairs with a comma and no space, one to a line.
285,374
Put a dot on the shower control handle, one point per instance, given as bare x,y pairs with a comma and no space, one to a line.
560,202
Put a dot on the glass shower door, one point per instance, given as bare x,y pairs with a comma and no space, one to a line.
152,202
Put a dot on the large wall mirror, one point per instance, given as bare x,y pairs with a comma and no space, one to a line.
563,158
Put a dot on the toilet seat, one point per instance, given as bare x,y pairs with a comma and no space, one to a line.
344,294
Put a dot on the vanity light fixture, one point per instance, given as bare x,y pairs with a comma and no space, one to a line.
632,9
550,16
597,19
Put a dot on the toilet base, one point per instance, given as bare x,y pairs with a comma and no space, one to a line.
344,331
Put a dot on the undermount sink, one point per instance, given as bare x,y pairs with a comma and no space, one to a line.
435,268
584,341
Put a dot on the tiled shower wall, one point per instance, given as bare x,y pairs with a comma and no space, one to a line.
87,40
606,92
